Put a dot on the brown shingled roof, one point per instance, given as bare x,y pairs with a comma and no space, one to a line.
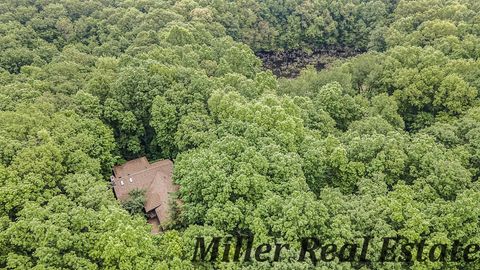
155,179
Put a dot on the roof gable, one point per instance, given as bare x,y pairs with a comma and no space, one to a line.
155,179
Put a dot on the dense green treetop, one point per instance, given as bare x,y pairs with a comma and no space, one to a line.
385,143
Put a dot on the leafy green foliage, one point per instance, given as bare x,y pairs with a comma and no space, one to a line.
135,202
385,143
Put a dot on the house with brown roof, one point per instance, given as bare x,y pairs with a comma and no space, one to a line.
155,179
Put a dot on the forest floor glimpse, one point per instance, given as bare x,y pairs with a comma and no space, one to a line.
289,64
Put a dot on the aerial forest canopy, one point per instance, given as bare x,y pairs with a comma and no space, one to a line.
385,144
